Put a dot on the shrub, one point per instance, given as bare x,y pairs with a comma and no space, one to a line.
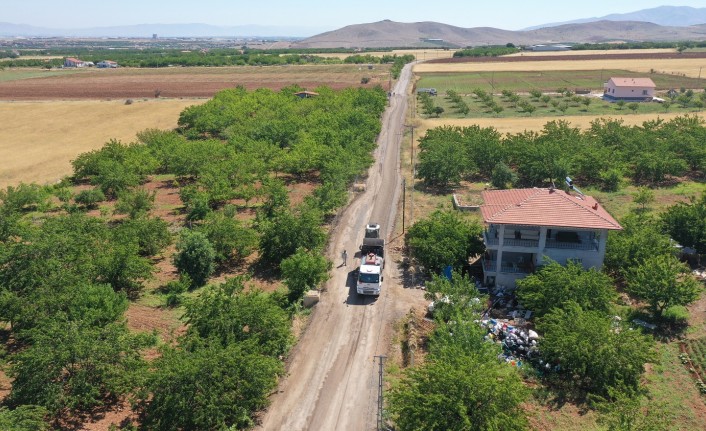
195,257
302,271
135,203
89,198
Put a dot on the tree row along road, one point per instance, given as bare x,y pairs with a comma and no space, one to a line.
332,379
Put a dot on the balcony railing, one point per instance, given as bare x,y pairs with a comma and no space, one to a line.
511,242
491,239
508,267
587,244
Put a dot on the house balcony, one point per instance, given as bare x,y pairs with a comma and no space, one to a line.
573,241
519,238
507,266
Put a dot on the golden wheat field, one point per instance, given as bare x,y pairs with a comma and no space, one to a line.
691,67
419,54
38,140
591,52
515,125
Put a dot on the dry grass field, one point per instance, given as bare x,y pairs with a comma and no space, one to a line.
38,140
691,67
591,52
520,124
420,54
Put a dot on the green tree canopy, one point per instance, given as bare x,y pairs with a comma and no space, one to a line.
686,223
304,270
554,285
593,352
662,281
227,315
195,257
210,387
444,238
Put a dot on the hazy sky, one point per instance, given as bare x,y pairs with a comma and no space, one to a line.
508,14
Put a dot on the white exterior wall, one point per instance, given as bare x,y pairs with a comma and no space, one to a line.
592,258
629,92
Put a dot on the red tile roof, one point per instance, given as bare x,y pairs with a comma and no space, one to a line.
633,82
545,207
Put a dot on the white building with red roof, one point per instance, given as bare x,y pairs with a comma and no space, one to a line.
629,89
525,226
73,62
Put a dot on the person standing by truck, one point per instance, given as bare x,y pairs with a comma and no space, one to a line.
344,256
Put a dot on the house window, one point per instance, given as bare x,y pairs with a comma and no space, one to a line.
644,92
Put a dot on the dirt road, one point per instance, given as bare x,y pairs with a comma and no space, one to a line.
332,377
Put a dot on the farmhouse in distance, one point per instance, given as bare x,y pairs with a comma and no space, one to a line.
629,89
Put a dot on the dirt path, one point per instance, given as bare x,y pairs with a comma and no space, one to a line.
332,376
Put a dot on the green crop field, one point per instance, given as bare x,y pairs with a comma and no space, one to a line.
16,74
466,82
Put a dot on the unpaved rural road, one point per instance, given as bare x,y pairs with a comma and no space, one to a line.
332,379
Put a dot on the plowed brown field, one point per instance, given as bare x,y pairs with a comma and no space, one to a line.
175,82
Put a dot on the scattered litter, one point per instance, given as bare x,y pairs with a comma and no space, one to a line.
644,324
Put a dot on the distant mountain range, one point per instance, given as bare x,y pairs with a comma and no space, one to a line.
675,16
664,23
429,34
162,30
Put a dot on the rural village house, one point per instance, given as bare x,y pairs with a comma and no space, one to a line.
109,64
523,226
629,89
73,62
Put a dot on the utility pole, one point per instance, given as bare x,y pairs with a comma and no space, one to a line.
381,418
404,195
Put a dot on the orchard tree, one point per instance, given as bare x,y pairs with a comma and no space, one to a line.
502,176
592,353
24,418
74,366
442,239
304,270
553,285
686,223
227,315
640,239
135,203
209,387
662,281
288,230
195,257
231,240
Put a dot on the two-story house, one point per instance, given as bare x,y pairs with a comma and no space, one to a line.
525,226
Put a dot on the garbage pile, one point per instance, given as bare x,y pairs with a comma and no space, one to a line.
519,344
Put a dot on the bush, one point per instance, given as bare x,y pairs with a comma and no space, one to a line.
135,203
89,198
303,271
592,352
195,257
443,239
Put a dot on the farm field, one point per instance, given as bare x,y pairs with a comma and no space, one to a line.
420,54
685,66
180,81
516,125
593,52
523,81
38,140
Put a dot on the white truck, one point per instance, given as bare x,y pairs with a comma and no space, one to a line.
372,261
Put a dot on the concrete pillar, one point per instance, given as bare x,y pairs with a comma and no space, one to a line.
501,239
542,245
602,240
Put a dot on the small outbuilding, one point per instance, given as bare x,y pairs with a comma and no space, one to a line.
547,48
306,94
629,89
107,64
